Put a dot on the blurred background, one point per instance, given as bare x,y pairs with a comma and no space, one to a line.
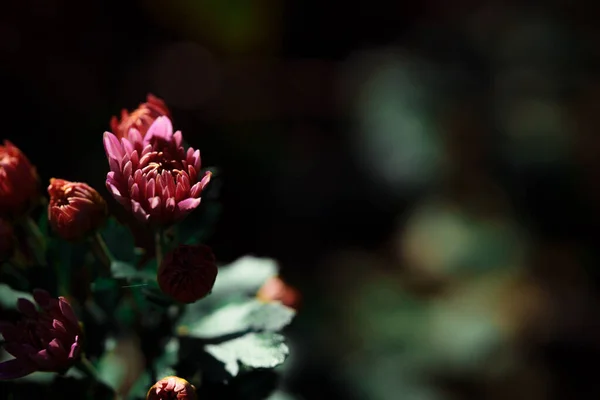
426,173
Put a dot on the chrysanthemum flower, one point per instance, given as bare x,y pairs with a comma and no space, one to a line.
7,239
18,181
188,273
172,388
141,119
45,339
154,176
275,289
75,209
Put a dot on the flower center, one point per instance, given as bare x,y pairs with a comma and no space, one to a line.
160,161
59,197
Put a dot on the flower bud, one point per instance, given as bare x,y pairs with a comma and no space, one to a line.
18,181
275,289
46,338
75,209
140,119
172,388
7,240
188,273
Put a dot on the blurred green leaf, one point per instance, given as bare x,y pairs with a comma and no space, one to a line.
246,275
119,240
251,315
253,350
9,296
163,365
123,270
281,395
140,387
153,294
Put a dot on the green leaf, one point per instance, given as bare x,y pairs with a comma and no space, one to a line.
281,395
140,387
163,365
9,296
119,240
251,315
123,270
245,275
253,350
156,296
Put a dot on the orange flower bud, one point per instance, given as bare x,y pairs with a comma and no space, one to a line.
188,273
18,181
275,289
172,388
141,118
75,209
7,240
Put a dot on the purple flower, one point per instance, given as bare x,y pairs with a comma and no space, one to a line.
45,339
154,176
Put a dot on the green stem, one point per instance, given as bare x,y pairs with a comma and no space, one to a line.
158,248
102,252
84,365
36,240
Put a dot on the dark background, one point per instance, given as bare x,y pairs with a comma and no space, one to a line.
330,123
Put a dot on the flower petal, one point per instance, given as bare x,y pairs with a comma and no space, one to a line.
112,146
67,311
187,205
27,308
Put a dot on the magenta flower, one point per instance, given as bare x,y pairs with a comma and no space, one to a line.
46,339
154,176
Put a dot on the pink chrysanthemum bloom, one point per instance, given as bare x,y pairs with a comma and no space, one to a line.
45,339
141,118
154,176
172,388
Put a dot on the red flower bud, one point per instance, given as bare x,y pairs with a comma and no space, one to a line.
7,240
275,289
172,388
18,181
75,209
188,273
141,118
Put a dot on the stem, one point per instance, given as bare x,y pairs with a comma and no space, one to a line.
85,366
38,244
102,252
158,244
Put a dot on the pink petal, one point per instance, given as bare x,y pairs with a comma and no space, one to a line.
150,189
196,160
67,311
75,348
135,137
178,137
112,146
161,128
27,308
127,146
138,211
42,297
56,350
187,205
